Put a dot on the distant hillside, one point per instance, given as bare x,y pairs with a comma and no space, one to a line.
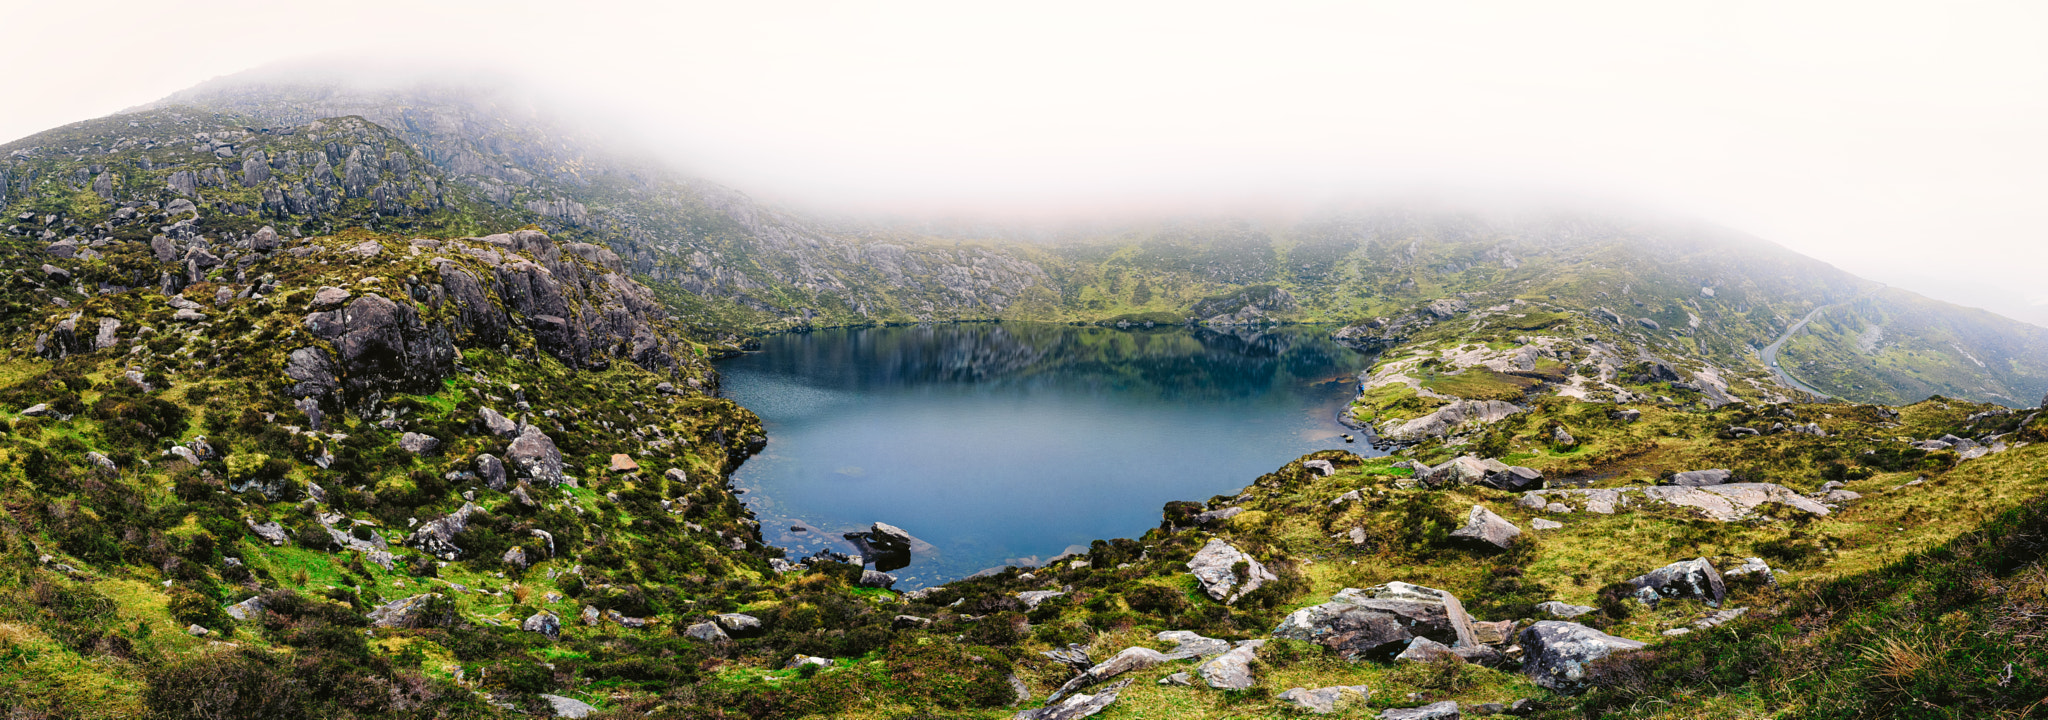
1898,347
442,161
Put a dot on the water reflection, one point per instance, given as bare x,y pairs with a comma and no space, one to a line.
1007,443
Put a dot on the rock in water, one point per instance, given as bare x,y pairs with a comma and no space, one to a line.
885,546
1483,526
1693,579
1323,701
1555,653
1214,566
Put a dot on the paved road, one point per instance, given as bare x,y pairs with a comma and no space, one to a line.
1770,353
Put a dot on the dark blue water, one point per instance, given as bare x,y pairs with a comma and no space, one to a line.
1005,444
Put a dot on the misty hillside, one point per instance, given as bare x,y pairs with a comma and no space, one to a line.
721,255
338,404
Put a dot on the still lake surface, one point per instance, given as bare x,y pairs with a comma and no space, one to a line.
1006,444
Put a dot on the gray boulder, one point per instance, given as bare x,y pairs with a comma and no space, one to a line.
1446,710
1514,478
1555,653
1214,567
1320,467
246,609
567,707
1189,644
270,532
1563,610
1231,670
497,424
418,444
1483,526
1380,621
1693,579
739,625
491,470
437,537
534,455
706,632
877,579
1562,436
1628,415
1077,706
545,623
1698,478
405,612
1424,650
1323,701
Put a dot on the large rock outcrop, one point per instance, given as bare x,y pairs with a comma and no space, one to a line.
1380,621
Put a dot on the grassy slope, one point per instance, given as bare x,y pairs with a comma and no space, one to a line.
1896,346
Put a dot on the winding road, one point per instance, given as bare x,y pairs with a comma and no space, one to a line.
1770,352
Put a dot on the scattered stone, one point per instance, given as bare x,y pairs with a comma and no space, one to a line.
418,444
1320,467
1380,621
270,532
405,612
196,631
1562,436
739,625
1078,706
877,579
1626,415
1032,598
329,297
534,456
591,617
1555,653
1323,701
1422,650
1697,478
1446,710
1231,670
1188,644
496,424
1693,579
1563,610
1482,525
545,623
1514,478
1751,570
1214,567
706,632
907,622
1180,678
246,609
567,707
1216,516
801,660
1545,524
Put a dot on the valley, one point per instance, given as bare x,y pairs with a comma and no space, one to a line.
390,403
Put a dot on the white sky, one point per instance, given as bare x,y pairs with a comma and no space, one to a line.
1906,143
